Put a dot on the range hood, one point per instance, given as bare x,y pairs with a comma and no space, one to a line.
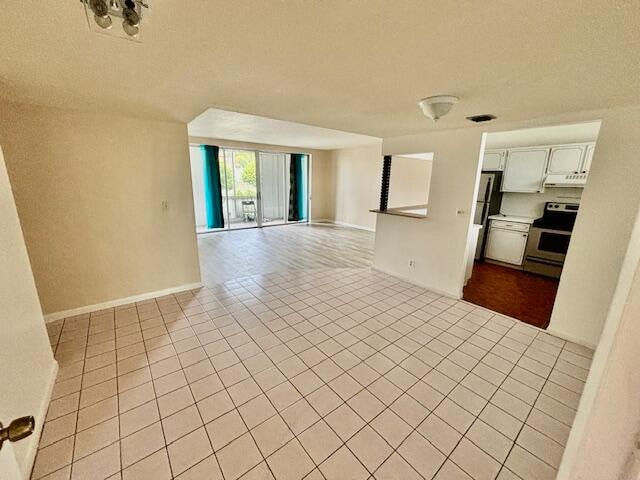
576,180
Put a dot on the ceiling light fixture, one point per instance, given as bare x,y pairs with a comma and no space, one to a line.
100,13
437,106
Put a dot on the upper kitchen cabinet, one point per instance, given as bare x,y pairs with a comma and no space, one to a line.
588,157
493,160
566,159
525,170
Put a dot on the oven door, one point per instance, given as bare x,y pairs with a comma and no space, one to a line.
548,244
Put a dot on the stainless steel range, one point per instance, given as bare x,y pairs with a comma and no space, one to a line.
549,239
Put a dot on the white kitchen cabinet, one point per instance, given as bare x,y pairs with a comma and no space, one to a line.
506,246
566,159
588,158
525,170
493,160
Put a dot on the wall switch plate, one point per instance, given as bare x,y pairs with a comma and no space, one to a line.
165,205
412,263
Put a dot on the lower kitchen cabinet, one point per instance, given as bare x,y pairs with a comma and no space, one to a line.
506,246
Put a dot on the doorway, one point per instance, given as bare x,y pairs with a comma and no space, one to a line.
257,188
528,198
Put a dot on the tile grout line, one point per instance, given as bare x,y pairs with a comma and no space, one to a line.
295,354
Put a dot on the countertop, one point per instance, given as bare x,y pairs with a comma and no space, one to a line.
411,211
512,218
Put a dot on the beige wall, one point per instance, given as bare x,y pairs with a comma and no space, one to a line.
27,368
603,437
88,189
321,170
356,185
410,182
601,235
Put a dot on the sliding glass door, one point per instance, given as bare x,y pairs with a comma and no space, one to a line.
241,198
272,188
256,188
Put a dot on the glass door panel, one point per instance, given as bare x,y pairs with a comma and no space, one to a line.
240,172
272,188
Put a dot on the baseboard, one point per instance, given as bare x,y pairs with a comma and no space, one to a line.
419,284
40,417
344,224
570,338
52,317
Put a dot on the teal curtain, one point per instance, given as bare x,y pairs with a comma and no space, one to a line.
298,188
212,186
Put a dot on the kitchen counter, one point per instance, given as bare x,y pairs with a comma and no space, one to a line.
411,211
512,218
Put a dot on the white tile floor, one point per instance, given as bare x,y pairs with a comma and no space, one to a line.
331,373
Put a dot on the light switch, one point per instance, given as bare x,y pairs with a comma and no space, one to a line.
165,205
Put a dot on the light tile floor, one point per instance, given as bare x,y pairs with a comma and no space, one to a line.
281,249
336,373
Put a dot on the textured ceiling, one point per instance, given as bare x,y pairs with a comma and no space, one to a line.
356,65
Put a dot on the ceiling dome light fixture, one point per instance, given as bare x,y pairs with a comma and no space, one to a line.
100,15
437,106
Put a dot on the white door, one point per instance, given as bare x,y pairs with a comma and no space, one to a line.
588,158
525,170
493,160
566,159
27,368
506,246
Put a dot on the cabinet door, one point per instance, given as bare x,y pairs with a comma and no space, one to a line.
525,170
493,160
588,158
506,246
566,159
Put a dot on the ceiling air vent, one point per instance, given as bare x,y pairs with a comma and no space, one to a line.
482,118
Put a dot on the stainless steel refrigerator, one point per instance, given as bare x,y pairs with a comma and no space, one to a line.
488,202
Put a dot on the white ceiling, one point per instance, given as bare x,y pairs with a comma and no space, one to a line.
551,135
357,65
242,127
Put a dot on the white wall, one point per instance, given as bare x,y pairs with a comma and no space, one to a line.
436,244
356,177
532,204
603,437
410,182
601,235
27,367
356,181
89,190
